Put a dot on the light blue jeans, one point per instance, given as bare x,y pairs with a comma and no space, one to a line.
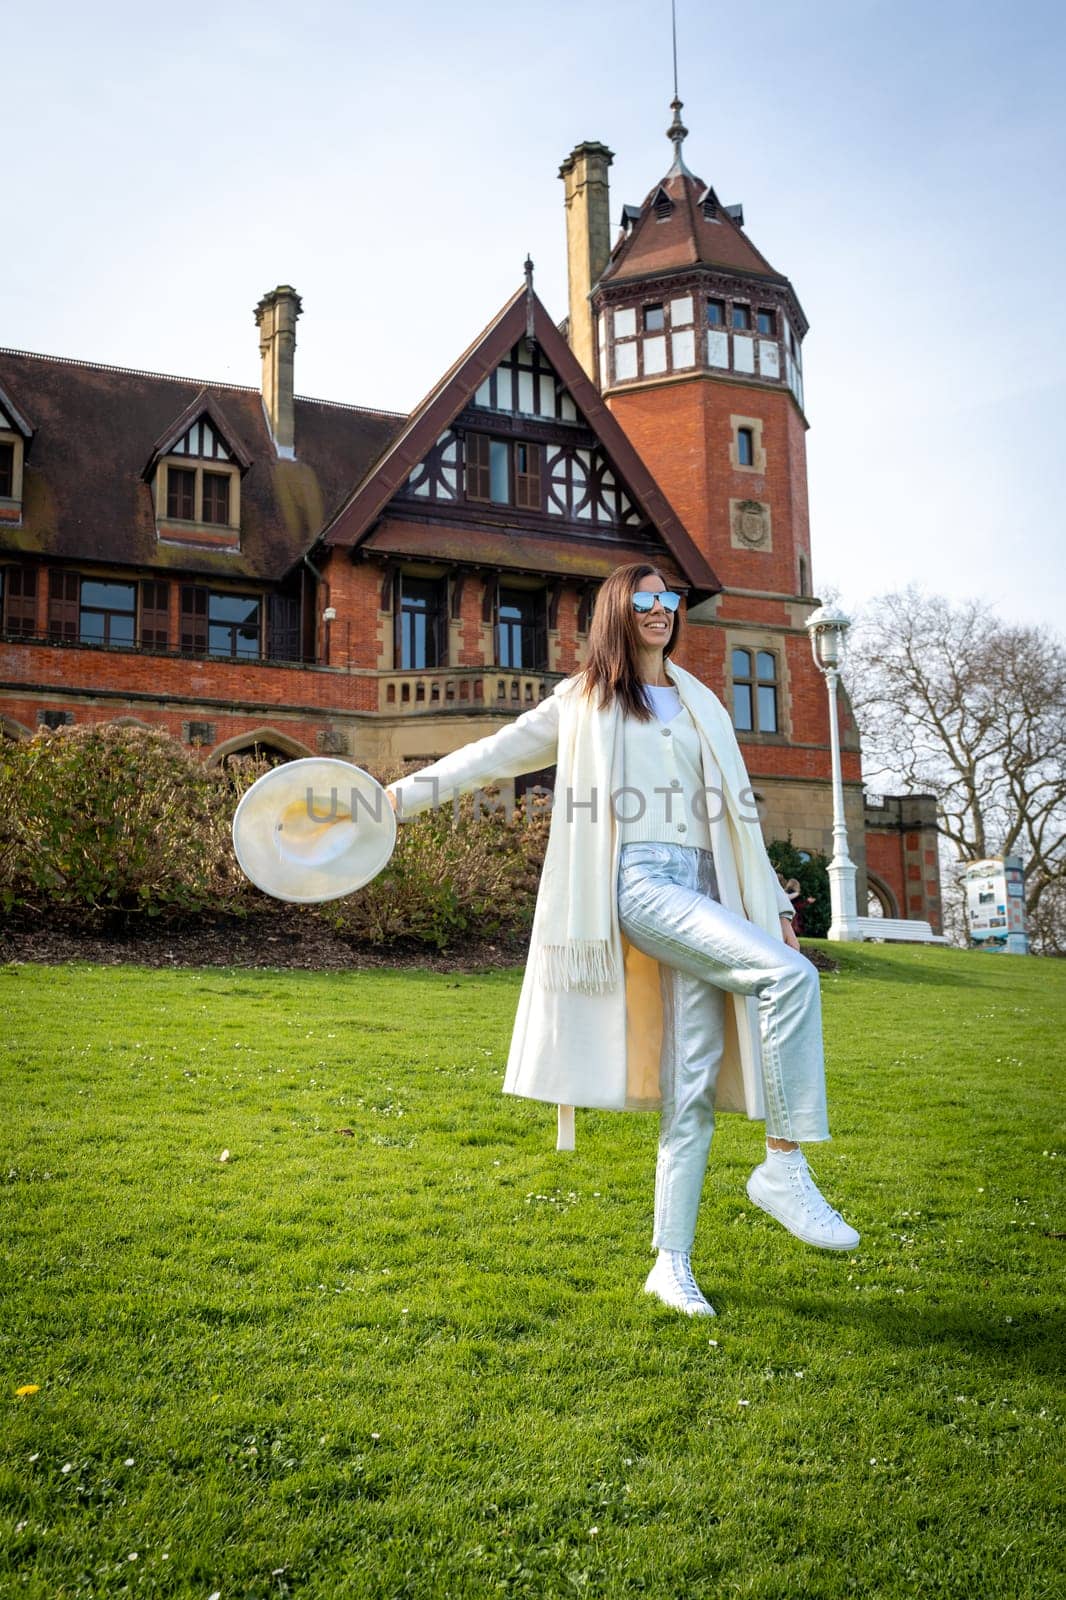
668,907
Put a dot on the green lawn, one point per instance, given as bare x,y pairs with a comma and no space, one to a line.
414,1359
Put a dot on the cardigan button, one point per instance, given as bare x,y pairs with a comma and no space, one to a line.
675,783
666,733
682,827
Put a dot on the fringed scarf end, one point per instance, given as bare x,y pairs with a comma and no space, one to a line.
586,965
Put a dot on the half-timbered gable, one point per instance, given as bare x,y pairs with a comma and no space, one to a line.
521,446
486,527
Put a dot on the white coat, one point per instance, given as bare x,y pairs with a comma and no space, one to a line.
602,1049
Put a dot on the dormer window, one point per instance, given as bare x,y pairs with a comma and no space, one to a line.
766,322
663,206
16,434
196,479
654,319
741,317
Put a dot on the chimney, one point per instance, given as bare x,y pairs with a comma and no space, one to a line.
275,317
588,240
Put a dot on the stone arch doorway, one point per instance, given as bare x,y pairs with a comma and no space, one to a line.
267,745
880,900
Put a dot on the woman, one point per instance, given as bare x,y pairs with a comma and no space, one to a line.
663,969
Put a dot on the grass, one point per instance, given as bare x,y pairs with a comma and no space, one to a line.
414,1359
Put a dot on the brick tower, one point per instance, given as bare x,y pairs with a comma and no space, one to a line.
697,349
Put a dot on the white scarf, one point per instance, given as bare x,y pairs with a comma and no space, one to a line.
577,889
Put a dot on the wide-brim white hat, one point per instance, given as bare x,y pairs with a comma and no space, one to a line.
313,830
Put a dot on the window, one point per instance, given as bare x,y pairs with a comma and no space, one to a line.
716,313
755,691
654,319
220,624
741,317
20,601
499,475
106,612
527,476
181,494
503,472
421,623
7,470
64,605
765,322
283,628
193,632
155,615
521,631
216,498
747,448
477,466
233,625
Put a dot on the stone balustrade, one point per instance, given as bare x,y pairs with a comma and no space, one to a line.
464,689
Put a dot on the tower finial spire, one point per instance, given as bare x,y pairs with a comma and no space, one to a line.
676,132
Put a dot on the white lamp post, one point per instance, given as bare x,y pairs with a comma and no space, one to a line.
827,627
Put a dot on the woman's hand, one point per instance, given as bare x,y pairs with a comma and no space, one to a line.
788,933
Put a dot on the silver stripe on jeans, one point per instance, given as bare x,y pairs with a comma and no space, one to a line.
668,907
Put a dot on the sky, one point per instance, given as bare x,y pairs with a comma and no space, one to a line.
900,162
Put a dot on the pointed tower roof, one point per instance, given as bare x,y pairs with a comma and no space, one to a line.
681,224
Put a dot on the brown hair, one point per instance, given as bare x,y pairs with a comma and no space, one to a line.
612,668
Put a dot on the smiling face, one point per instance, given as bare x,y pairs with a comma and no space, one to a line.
653,628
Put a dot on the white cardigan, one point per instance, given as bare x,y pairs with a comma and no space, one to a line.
600,1046
664,770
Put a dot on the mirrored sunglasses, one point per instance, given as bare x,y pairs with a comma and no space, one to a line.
643,601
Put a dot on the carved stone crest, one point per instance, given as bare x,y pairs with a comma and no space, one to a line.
750,524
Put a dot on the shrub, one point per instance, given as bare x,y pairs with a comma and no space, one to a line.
810,869
105,822
101,820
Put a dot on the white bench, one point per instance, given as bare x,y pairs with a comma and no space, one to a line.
898,928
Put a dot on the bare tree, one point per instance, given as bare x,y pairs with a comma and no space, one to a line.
953,702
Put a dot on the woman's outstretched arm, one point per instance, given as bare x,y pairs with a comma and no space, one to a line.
525,745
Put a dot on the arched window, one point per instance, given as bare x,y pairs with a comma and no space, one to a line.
755,691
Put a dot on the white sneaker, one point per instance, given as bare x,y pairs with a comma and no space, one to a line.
783,1187
671,1281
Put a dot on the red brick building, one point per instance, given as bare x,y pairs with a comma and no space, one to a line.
256,570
